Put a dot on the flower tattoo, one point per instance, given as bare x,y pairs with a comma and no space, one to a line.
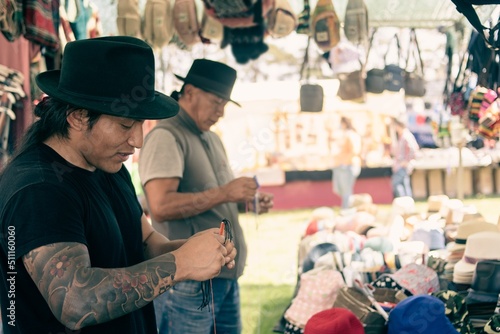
58,265
127,282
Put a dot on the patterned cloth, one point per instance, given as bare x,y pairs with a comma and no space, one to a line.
456,310
317,292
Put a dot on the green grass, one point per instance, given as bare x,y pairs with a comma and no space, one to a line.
269,279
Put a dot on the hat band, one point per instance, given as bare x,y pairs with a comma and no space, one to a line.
123,98
472,260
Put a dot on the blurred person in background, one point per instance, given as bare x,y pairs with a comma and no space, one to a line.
347,162
404,152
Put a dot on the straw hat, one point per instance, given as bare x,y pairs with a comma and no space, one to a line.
467,229
480,246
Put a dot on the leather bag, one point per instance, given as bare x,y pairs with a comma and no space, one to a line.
311,97
394,74
414,83
375,77
311,94
352,86
375,80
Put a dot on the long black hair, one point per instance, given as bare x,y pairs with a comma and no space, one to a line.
51,114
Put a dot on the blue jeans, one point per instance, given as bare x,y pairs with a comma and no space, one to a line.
177,310
401,185
344,177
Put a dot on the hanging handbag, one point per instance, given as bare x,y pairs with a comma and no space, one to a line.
394,74
414,83
311,97
375,77
375,80
352,86
311,94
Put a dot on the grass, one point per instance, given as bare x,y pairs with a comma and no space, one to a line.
268,282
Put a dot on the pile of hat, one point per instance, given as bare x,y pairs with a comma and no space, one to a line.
432,272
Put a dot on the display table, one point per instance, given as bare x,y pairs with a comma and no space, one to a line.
436,173
309,189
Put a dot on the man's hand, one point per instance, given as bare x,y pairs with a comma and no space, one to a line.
265,202
203,256
242,189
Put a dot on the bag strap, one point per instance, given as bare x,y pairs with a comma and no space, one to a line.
370,43
306,66
305,62
470,14
396,38
413,46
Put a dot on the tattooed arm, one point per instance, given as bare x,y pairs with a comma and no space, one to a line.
80,295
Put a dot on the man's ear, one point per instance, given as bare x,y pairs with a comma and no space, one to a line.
189,91
77,118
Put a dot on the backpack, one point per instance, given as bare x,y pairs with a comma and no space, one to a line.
211,29
325,25
11,19
186,23
281,20
356,21
157,25
128,19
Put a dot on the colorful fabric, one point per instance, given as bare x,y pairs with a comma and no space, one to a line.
39,21
317,292
456,310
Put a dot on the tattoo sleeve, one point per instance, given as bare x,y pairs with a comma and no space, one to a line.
80,295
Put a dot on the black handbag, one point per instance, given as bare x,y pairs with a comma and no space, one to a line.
394,74
394,77
311,94
311,97
375,77
375,81
414,83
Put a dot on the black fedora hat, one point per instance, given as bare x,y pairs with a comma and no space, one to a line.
111,75
211,76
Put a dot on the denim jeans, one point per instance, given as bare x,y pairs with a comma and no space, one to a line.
401,185
344,177
177,310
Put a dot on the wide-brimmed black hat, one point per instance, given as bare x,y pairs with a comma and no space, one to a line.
211,76
111,75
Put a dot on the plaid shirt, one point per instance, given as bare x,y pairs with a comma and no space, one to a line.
404,151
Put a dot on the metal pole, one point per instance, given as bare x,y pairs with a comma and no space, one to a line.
460,173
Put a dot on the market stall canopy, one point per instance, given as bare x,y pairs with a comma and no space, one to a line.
426,14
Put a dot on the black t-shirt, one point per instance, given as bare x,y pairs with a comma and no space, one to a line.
45,200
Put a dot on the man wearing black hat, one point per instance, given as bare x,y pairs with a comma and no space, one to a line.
77,254
193,190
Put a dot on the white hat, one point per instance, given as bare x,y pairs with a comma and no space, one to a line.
403,205
467,229
479,246
435,202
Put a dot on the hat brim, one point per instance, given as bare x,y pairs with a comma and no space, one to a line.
208,89
463,268
453,247
162,106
